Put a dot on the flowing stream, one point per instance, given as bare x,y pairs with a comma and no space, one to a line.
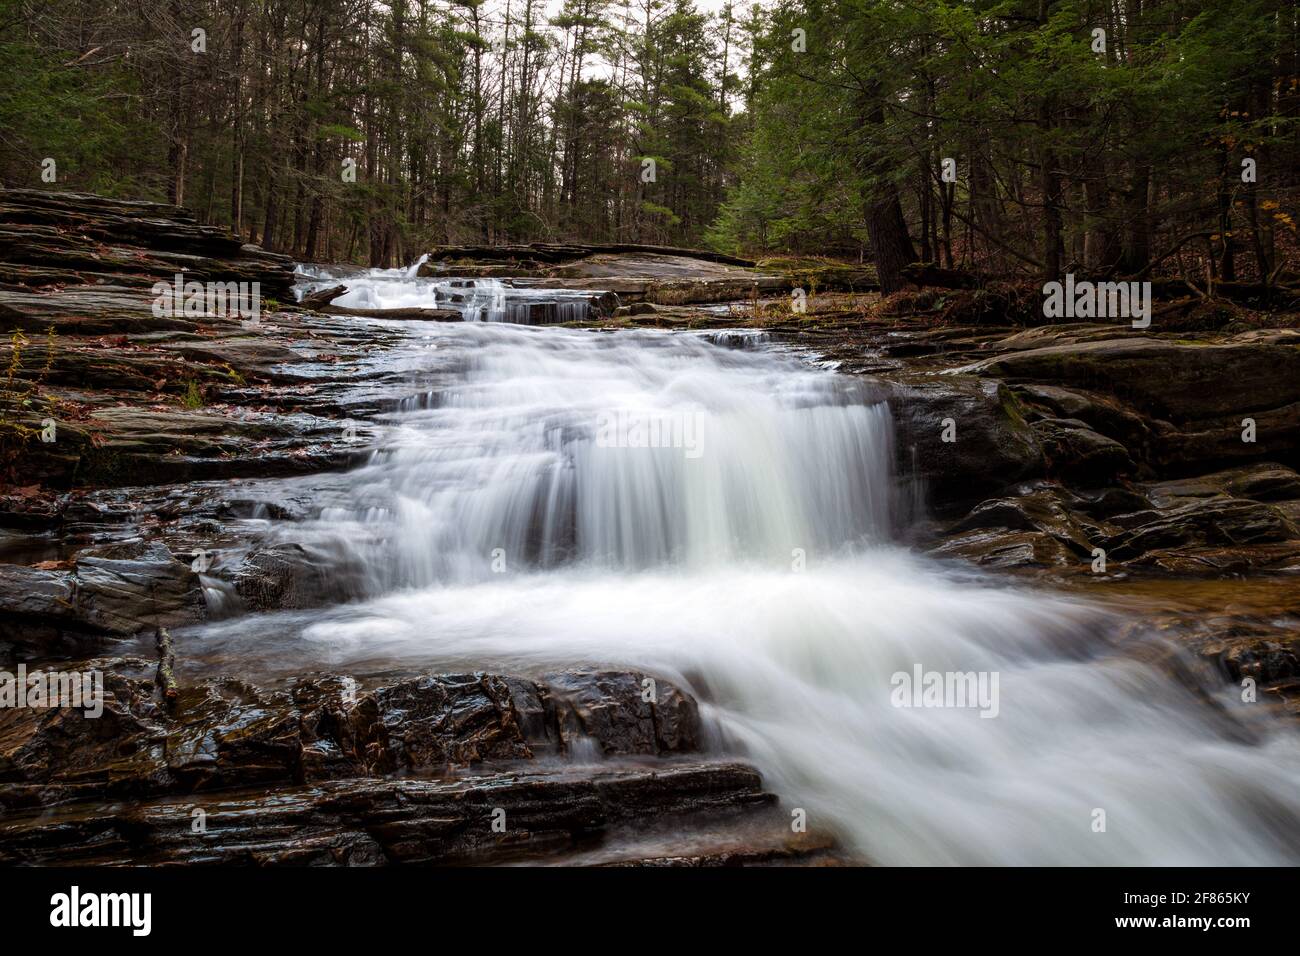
478,300
727,518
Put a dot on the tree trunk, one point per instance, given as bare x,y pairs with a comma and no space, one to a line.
891,246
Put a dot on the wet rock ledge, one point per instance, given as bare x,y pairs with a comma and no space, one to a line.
433,769
139,398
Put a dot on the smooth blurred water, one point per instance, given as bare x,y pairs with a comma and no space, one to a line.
477,300
511,522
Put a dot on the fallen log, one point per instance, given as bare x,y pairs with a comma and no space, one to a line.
166,665
923,274
427,315
1245,293
316,301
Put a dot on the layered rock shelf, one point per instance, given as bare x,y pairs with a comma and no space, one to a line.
306,774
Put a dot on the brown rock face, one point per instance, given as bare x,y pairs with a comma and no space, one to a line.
625,713
326,774
137,586
438,721
62,234
1203,525
112,591
1172,380
370,822
286,576
226,733
962,437
1193,397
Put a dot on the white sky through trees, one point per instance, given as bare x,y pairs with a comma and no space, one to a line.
492,15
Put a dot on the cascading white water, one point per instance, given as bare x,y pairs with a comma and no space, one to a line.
477,300
513,521
543,446
413,270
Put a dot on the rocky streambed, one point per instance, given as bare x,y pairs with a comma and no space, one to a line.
111,528
275,539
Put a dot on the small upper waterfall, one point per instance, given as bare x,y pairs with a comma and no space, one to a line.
413,271
477,300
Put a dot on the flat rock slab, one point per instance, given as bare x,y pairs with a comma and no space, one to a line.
482,819
1207,525
225,732
1180,381
68,231
110,592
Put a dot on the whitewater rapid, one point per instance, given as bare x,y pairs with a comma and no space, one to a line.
512,519
477,300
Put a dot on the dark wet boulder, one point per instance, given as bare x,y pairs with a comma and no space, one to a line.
1036,527
1264,661
438,721
134,586
286,576
68,750
1080,455
1194,398
223,732
34,594
1263,649
1210,522
1002,549
1106,503
1266,481
39,618
1192,447
227,732
112,591
330,746
1173,380
1105,415
218,733
992,445
326,773
443,720
1187,526
624,712
534,708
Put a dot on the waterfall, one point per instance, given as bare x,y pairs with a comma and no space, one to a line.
477,300
627,452
724,518
414,269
